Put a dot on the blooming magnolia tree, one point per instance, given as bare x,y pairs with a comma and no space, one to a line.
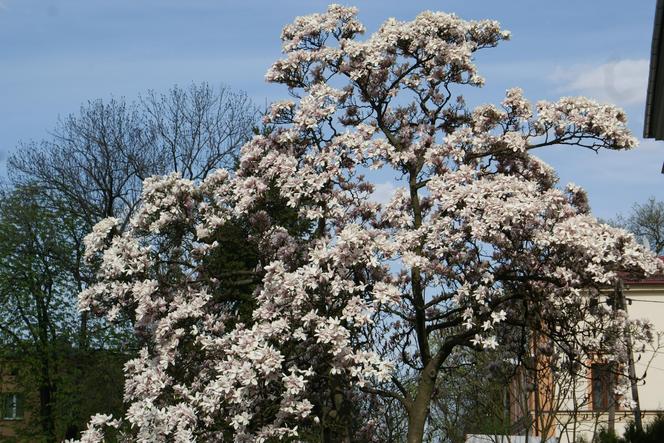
372,299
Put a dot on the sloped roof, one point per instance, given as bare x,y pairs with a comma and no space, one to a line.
653,125
657,279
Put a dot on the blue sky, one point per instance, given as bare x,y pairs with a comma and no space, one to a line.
55,55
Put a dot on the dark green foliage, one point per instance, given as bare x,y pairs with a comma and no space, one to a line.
653,432
91,167
606,436
237,260
40,329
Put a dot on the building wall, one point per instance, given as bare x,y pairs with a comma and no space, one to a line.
9,384
573,412
645,300
648,303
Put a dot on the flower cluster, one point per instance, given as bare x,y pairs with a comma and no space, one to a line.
477,239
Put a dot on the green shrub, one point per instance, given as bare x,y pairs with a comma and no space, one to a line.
653,432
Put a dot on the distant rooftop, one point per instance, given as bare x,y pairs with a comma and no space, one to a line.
657,279
653,126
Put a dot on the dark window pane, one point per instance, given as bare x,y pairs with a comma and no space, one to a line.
601,386
12,406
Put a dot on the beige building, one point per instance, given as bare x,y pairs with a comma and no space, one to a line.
572,409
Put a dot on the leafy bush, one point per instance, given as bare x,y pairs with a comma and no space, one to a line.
653,432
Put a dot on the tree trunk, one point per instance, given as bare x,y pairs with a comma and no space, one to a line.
46,403
419,412
46,385
611,426
83,334
630,362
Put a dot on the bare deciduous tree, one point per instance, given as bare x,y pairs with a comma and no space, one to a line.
94,163
197,129
646,221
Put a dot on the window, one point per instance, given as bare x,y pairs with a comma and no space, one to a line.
603,384
12,406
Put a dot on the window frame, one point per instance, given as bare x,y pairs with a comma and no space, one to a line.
603,374
16,408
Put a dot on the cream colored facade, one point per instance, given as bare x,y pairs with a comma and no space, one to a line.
645,300
570,414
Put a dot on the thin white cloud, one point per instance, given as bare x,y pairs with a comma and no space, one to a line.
623,82
383,192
